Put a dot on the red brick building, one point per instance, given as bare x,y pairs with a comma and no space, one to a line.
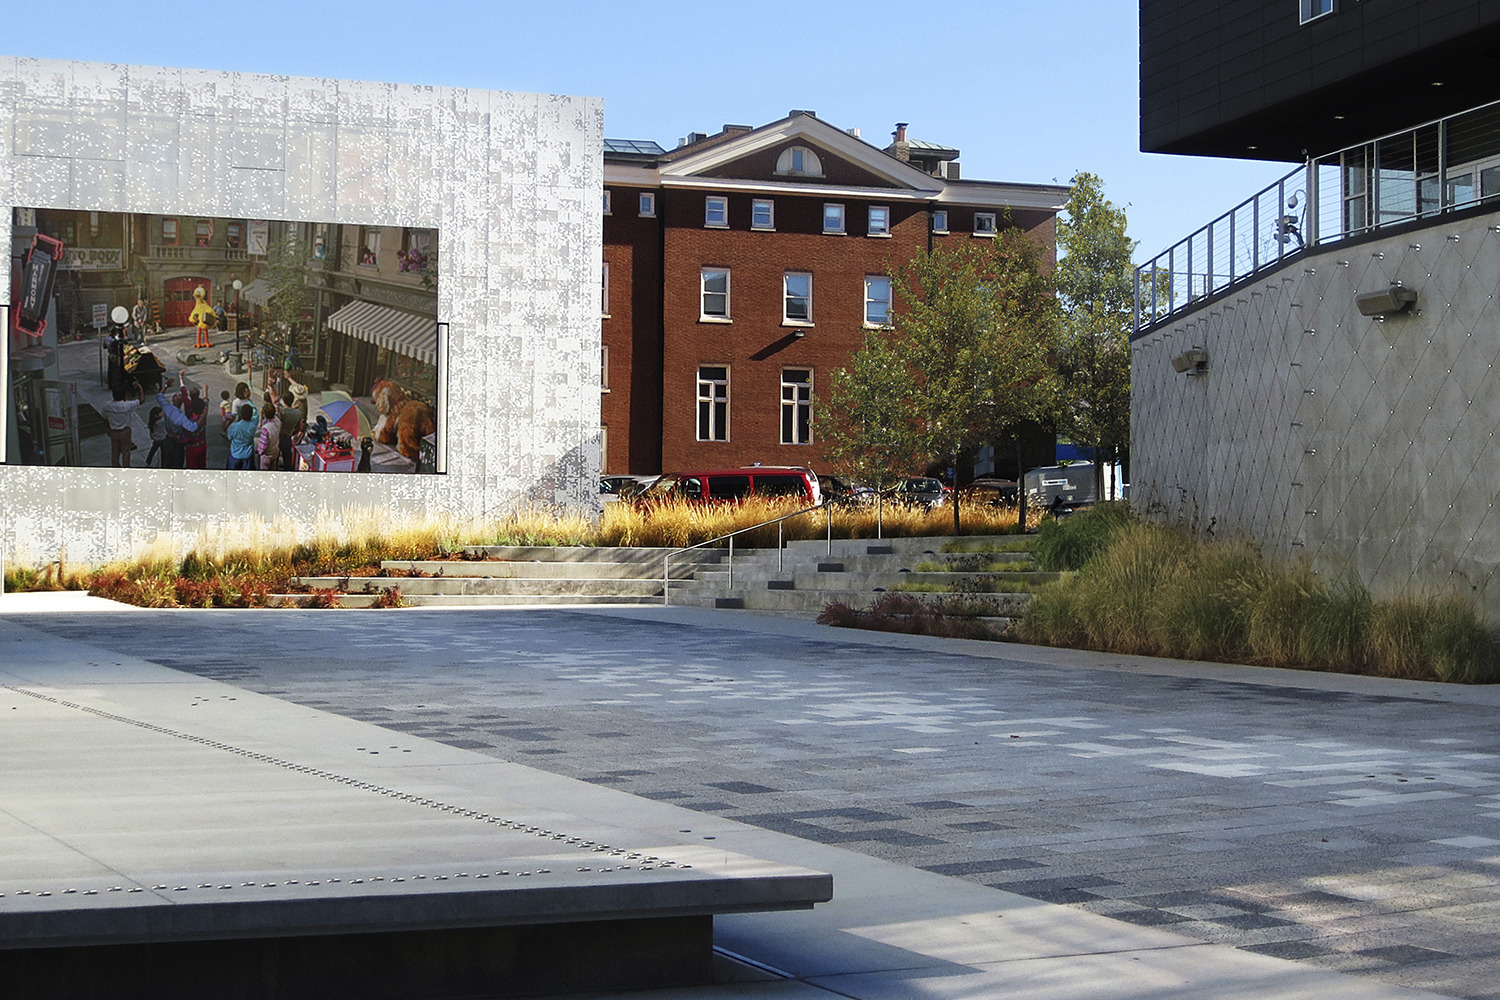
742,268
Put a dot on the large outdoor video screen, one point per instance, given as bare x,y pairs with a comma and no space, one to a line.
176,341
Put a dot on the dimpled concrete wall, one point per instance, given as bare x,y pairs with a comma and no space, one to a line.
512,183
1367,446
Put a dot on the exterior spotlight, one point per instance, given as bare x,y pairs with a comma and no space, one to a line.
1386,302
1193,361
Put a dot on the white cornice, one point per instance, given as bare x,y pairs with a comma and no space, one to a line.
1037,196
815,132
800,189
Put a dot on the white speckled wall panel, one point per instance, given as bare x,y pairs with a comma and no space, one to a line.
511,183
1367,446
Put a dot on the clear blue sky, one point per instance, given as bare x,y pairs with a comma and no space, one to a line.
1028,92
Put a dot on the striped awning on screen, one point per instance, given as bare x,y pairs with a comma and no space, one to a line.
402,332
257,293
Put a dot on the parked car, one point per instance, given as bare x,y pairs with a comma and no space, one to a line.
731,485
1060,486
990,491
846,492
613,488
918,491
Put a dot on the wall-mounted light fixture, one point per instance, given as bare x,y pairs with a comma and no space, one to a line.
1193,361
1385,302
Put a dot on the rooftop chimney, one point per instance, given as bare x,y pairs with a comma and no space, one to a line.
900,149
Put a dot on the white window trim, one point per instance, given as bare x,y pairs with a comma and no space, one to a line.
770,204
785,320
699,399
843,219
994,224
604,368
1305,13
648,204
604,293
889,294
885,233
710,200
794,404
607,202
943,214
704,317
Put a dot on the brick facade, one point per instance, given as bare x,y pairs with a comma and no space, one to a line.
661,261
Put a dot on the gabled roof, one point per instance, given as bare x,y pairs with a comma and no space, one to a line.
820,135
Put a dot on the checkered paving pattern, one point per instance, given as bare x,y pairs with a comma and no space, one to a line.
1350,831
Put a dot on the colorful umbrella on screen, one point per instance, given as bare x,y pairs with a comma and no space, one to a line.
341,411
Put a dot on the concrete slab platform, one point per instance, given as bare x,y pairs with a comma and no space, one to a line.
253,781
142,809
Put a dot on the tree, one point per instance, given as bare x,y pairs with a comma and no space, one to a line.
1096,281
870,432
965,360
285,271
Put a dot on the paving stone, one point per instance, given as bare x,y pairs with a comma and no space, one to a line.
1306,805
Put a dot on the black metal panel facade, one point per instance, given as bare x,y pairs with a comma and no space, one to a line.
1247,79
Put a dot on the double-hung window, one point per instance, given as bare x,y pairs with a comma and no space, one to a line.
880,221
606,201
716,212
604,293
877,300
940,221
713,403
714,289
833,218
648,204
796,305
796,405
763,214
984,223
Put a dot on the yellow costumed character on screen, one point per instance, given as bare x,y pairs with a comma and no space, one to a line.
202,316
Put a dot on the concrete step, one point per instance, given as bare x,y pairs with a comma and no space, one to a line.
488,586
893,579
513,570
641,555
807,602
471,600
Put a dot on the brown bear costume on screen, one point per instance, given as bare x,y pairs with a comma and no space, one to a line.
404,421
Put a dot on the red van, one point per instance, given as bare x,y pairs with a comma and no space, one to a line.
789,482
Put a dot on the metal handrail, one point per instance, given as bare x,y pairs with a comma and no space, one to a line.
1391,179
666,564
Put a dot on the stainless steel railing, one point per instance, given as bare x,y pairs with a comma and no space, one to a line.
1440,166
666,573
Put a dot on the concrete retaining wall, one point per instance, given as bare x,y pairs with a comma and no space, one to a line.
1366,446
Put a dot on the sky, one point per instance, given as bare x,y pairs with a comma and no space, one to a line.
1028,92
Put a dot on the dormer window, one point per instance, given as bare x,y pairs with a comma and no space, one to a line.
799,161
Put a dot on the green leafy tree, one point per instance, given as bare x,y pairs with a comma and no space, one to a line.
1095,279
966,358
285,271
870,433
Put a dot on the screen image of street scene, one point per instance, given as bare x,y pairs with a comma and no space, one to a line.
176,341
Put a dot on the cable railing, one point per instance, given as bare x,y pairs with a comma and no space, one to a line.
1440,166
666,562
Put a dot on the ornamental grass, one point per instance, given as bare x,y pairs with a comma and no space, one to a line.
1145,589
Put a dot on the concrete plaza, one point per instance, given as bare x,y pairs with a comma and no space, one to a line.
999,820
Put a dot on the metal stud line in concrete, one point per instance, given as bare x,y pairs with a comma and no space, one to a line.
629,861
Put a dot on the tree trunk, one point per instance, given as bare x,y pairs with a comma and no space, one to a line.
956,528
1020,489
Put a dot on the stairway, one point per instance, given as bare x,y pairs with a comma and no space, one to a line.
857,571
495,575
